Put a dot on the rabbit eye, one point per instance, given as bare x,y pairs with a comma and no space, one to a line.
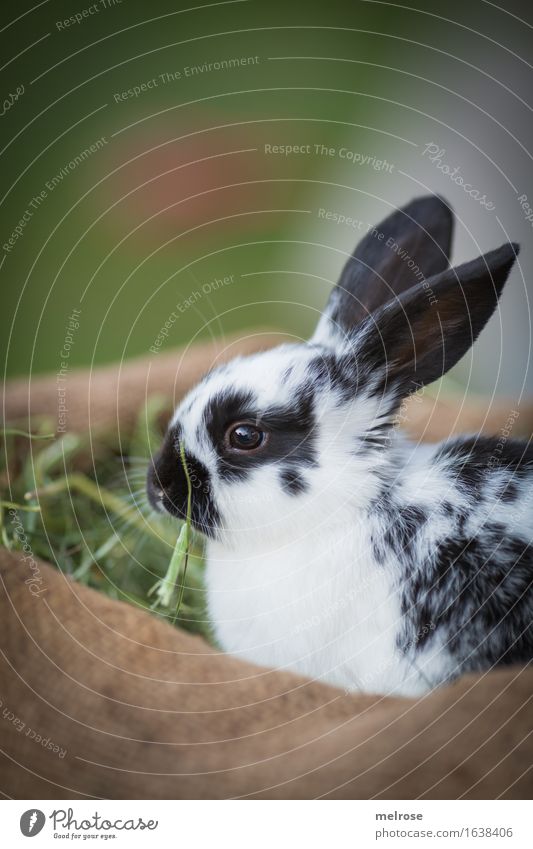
245,437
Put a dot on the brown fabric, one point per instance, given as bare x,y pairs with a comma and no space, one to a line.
432,420
147,711
144,710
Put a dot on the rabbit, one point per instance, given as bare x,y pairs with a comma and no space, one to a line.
335,547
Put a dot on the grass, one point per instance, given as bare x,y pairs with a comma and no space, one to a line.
164,588
89,516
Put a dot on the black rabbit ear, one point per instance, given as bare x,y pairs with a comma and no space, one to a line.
411,244
418,337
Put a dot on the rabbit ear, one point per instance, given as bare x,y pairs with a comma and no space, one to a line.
418,337
411,244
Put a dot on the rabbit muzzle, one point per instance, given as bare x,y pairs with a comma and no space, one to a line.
167,488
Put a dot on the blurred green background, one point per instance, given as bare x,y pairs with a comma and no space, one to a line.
180,191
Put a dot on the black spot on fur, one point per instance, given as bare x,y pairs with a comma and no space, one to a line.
473,458
291,430
447,508
477,596
292,481
287,374
338,373
410,520
226,407
399,525
376,438
379,551
402,526
509,491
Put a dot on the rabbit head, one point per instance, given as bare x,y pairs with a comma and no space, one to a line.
279,441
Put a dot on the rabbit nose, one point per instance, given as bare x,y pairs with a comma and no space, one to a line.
166,485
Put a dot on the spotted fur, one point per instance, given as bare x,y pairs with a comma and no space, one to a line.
339,549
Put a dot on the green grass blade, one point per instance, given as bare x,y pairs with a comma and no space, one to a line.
164,588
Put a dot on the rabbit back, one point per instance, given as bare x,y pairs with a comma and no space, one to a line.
465,554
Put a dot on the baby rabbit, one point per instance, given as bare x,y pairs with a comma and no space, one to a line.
335,547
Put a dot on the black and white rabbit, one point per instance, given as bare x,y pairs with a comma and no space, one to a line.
335,547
